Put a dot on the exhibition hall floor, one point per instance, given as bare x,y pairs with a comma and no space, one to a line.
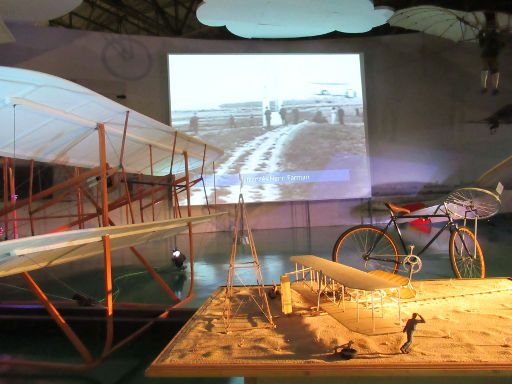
132,284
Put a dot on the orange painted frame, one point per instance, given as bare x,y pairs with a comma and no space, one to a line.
102,210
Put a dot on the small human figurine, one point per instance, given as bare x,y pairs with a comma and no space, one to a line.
347,346
346,352
409,328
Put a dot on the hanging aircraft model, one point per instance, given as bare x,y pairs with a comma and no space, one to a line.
103,145
489,29
447,23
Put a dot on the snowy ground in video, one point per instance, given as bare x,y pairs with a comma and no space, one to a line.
311,139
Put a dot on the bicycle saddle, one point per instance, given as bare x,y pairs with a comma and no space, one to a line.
397,210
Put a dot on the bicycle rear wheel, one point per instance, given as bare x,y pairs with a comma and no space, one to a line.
466,254
367,248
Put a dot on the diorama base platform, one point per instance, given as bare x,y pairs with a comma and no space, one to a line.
468,333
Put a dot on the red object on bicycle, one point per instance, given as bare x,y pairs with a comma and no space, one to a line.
421,225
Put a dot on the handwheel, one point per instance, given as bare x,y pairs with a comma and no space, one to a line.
466,255
412,264
366,247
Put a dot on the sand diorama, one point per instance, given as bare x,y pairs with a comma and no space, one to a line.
467,322
466,329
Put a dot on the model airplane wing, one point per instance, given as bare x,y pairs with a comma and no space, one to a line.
499,173
49,119
343,274
442,22
30,253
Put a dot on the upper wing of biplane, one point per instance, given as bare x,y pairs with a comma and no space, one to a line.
35,252
50,119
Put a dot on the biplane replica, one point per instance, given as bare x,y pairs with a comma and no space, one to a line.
117,160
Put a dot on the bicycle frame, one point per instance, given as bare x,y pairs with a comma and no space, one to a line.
394,220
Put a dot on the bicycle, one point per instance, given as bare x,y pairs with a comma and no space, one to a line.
369,247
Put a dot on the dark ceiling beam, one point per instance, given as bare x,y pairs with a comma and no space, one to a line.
165,17
136,22
61,21
177,9
90,16
177,14
177,17
168,3
150,17
192,6
135,14
72,15
462,5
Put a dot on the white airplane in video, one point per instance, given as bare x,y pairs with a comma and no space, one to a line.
334,89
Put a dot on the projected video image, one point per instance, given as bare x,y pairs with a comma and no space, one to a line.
291,125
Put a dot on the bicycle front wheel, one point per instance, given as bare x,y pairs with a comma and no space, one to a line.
367,248
466,255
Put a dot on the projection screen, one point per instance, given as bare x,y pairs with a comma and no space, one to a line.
292,125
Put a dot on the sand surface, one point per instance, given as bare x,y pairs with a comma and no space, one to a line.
467,321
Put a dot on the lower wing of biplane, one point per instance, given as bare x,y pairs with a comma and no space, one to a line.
31,253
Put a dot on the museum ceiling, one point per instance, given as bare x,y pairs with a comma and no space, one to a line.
178,17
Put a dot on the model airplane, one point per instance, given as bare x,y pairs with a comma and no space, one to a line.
448,23
501,116
48,119
489,29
